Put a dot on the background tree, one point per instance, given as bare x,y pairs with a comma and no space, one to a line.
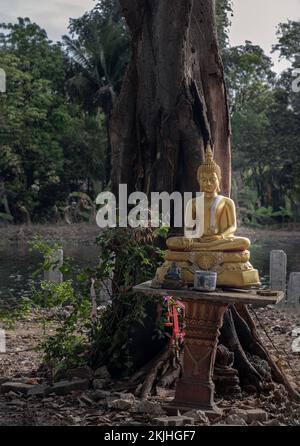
265,123
224,10
98,52
40,128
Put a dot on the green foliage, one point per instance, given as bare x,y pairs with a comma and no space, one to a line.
54,117
109,9
73,334
98,52
223,12
288,40
265,123
132,257
47,144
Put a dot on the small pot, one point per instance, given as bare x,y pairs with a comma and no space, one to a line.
205,281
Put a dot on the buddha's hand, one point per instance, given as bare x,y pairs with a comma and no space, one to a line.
211,238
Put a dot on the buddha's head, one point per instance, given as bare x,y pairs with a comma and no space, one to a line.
209,174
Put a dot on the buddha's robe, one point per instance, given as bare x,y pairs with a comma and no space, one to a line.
219,228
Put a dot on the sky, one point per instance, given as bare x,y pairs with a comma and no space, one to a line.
52,15
254,20
257,20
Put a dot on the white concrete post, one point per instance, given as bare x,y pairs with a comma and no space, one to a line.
293,297
54,274
278,272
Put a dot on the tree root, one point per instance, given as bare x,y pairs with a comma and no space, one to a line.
170,378
278,375
255,366
164,370
152,375
229,337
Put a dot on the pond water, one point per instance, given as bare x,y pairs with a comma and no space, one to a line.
17,263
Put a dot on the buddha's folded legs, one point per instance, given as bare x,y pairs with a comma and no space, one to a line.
229,244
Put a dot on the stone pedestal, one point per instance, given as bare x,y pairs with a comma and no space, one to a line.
195,390
234,268
204,318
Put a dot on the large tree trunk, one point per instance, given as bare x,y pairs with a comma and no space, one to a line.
173,100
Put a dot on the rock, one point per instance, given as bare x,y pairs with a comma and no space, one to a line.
295,333
12,395
256,415
120,404
164,393
121,418
39,390
102,373
99,383
59,374
65,387
173,421
148,408
235,420
4,380
100,395
198,416
84,372
15,387
296,345
240,413
16,403
125,396
81,372
272,423
32,382
132,423
86,401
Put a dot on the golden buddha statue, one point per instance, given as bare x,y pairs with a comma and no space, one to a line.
217,249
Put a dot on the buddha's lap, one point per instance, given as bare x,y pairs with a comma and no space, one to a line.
226,244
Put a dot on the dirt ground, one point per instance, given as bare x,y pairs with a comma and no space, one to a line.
81,408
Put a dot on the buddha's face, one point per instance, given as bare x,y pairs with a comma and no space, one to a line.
209,183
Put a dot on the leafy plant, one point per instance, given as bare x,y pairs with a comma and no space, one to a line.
79,335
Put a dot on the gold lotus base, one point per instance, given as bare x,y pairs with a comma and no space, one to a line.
233,268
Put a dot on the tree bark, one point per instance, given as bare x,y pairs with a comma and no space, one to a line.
173,101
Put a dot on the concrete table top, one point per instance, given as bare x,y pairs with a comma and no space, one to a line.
219,296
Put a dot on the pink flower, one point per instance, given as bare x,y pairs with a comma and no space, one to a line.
167,298
182,336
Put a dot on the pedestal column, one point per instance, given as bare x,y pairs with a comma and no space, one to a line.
195,390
